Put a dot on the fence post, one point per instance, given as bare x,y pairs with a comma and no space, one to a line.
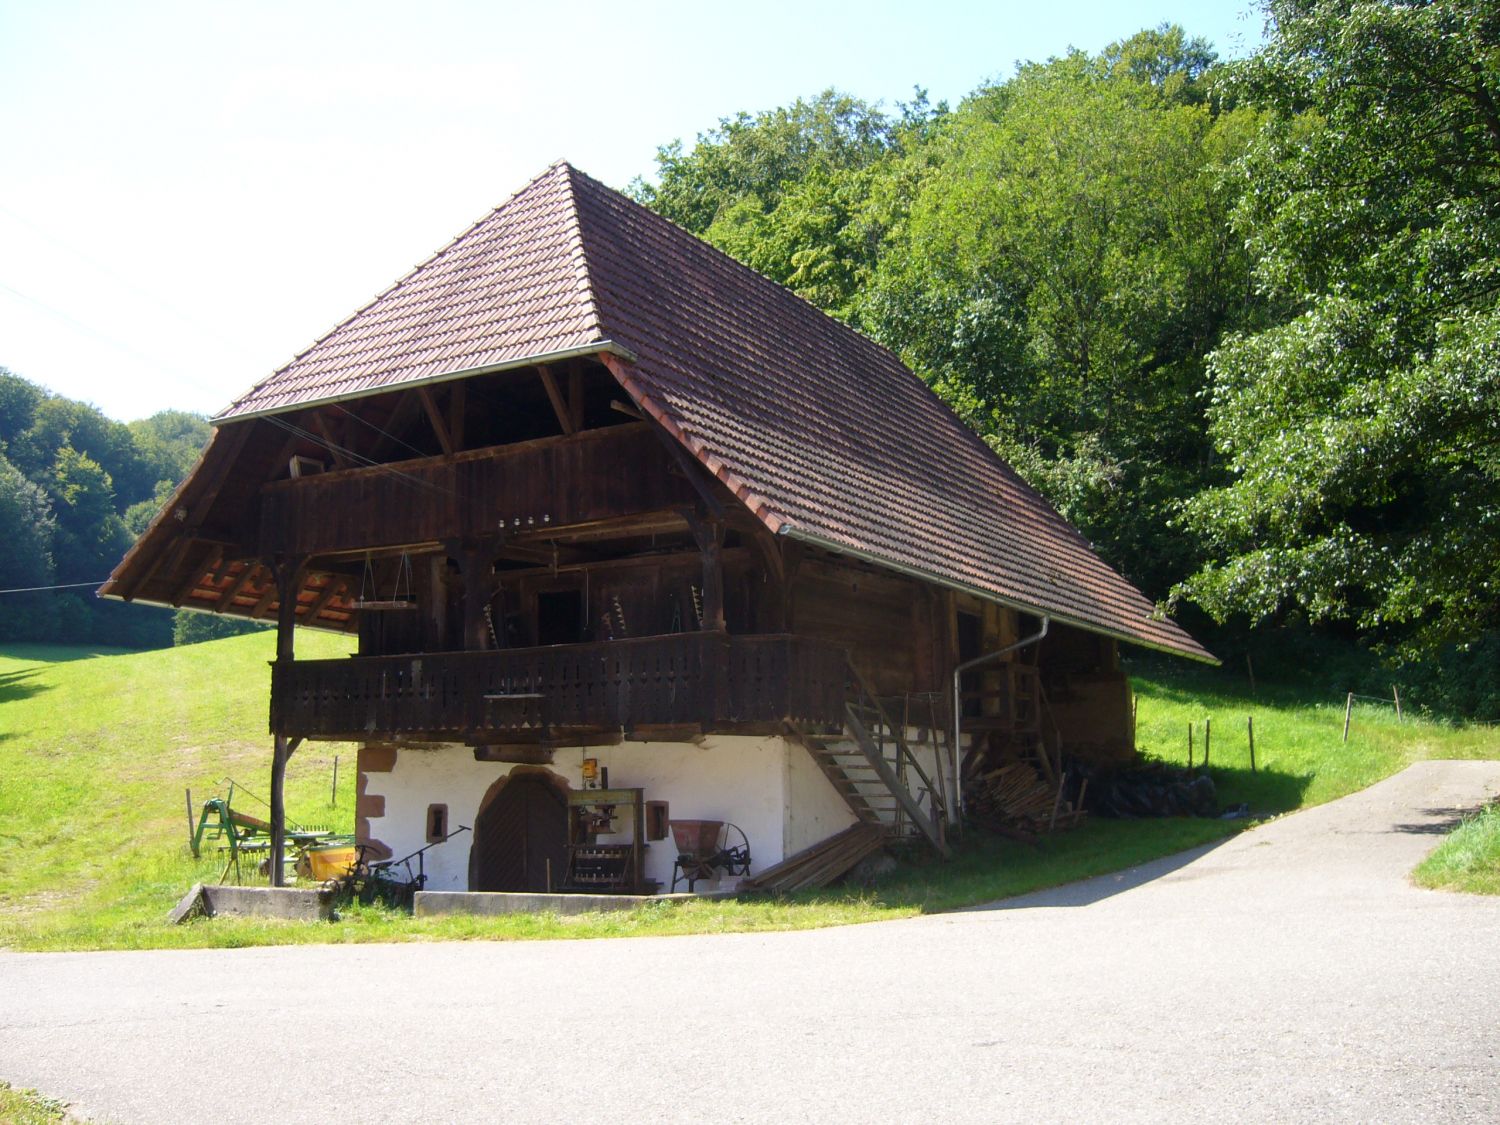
333,797
1396,695
1190,747
1250,731
1208,733
1348,710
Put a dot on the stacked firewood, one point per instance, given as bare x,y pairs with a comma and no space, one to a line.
1012,797
820,864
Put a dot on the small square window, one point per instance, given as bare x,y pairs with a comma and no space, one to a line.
656,820
437,823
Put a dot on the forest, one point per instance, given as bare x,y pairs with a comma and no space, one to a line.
1237,320
76,488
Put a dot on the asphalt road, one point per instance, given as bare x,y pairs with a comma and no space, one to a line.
1291,974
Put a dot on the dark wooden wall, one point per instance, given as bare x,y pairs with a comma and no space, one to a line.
592,475
892,626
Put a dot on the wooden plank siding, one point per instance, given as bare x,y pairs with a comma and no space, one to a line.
592,475
886,622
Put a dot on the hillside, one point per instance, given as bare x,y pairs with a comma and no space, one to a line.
97,749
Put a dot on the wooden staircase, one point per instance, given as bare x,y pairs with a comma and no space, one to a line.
873,768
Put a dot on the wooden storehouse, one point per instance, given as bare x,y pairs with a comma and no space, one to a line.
598,502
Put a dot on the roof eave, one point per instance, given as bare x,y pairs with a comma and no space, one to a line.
816,540
590,349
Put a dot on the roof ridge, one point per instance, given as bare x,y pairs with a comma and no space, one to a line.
582,276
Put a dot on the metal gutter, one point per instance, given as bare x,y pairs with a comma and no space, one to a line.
987,595
428,380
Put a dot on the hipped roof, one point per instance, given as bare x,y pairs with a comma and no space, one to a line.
827,437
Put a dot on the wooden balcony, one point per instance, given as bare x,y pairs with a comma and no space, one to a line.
704,681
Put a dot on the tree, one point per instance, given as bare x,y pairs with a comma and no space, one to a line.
801,194
26,531
1362,427
1064,268
756,158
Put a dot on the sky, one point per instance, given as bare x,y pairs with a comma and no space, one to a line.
194,192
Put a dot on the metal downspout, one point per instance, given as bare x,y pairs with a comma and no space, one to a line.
958,780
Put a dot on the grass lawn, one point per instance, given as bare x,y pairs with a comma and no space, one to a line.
96,750
1469,859
27,1107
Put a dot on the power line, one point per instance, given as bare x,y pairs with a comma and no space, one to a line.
104,337
59,586
126,283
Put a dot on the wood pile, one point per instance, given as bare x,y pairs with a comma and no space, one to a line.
820,864
1012,797
1152,789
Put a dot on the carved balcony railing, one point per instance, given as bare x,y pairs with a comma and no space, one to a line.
705,680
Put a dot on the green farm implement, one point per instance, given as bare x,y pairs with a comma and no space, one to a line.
313,852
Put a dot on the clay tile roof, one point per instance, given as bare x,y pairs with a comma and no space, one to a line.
826,436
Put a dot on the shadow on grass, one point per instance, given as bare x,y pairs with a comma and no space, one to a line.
1265,791
986,868
1101,887
15,685
1449,819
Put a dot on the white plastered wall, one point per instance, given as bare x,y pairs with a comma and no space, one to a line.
769,787
814,809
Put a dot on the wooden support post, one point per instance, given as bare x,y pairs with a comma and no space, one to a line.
1190,747
435,418
1396,695
333,447
189,794
575,397
1250,733
1348,712
476,561
333,796
288,579
710,536
773,600
1208,733
457,410
279,758
554,396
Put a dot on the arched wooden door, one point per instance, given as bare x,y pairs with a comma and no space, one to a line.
518,833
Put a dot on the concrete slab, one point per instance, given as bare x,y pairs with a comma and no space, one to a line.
310,904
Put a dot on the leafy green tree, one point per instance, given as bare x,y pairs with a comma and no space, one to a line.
170,442
1064,268
1362,426
757,157
189,628
26,533
802,194
91,537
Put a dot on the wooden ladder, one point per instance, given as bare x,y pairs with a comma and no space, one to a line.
1015,712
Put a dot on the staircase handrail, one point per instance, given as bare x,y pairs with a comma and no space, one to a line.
905,755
